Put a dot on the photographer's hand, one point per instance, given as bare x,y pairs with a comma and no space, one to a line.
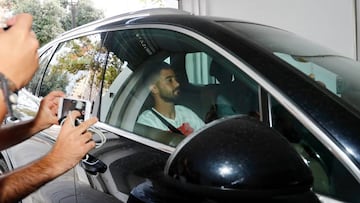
47,114
72,143
18,50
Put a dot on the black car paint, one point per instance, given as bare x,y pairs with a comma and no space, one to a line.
340,124
231,159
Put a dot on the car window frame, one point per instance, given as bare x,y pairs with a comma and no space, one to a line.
296,111
267,86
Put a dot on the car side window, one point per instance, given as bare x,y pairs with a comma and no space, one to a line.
76,68
331,178
342,84
129,95
226,89
116,74
28,103
43,61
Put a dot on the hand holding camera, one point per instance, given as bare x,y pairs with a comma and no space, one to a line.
67,105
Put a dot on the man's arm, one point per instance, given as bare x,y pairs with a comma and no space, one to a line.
15,133
18,63
18,184
72,144
12,134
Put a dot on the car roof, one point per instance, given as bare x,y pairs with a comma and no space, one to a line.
126,16
155,16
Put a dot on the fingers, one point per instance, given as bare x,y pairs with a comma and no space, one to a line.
84,125
54,95
11,21
88,140
51,100
21,21
85,136
57,94
19,50
70,121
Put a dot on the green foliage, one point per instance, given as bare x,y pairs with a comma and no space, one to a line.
112,69
46,16
83,56
85,13
53,17
56,80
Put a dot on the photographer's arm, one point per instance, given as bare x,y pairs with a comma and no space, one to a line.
18,62
47,115
72,144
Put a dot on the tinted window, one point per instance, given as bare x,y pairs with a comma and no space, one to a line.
210,86
115,75
324,70
338,74
28,102
43,61
77,68
330,177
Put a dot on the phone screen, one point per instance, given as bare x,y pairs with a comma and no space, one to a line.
67,105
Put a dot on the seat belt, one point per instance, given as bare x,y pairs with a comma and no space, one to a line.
164,121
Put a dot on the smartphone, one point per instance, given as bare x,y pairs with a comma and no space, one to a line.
67,105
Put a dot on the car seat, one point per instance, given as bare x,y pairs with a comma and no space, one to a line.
233,96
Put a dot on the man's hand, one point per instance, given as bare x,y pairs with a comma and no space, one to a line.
18,50
47,114
72,143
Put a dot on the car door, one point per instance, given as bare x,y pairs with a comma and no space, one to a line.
210,93
140,153
332,179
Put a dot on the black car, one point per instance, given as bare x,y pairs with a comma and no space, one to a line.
282,114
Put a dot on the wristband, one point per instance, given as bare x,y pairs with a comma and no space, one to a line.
9,93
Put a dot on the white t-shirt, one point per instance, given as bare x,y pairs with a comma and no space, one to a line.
185,120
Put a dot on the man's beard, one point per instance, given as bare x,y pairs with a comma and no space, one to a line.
170,98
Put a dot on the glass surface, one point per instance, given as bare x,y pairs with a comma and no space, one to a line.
76,68
331,178
340,75
210,86
43,62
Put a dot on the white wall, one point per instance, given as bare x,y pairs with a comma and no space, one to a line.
331,23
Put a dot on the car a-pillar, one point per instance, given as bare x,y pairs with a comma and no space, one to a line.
235,159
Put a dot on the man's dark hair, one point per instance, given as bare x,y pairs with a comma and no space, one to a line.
153,69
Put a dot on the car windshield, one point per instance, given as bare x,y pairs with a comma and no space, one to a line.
340,75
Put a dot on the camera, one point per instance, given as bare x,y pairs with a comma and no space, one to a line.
67,105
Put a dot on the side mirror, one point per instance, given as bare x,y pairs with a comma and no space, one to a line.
239,159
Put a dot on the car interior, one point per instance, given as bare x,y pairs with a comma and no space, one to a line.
135,97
